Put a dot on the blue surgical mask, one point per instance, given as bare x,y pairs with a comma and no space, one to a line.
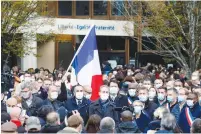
181,98
143,98
137,109
190,103
161,97
169,99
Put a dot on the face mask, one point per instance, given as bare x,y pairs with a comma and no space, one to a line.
181,98
25,95
157,85
27,80
113,90
79,95
54,95
137,109
177,88
170,99
190,103
104,96
9,109
161,97
147,86
152,95
143,98
88,96
131,92
114,72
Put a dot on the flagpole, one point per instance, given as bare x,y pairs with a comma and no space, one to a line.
78,50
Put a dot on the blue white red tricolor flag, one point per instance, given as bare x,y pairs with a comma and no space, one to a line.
86,64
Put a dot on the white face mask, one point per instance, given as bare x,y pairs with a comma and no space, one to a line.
27,79
147,86
190,103
114,72
131,92
114,90
143,98
88,96
25,95
137,109
9,109
54,95
79,95
152,94
157,85
177,88
104,96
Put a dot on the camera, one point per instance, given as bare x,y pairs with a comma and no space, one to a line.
121,109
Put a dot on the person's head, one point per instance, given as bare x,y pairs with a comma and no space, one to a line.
142,94
196,126
170,84
138,106
9,128
10,103
132,89
178,84
76,122
104,92
191,99
46,71
195,76
147,83
162,93
53,93
126,116
33,124
26,90
197,90
152,93
172,95
57,83
53,118
87,91
44,110
79,92
159,112
168,122
93,124
15,113
107,124
39,82
182,95
34,87
27,77
158,83
114,89
46,83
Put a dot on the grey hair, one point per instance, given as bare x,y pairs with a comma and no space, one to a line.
53,118
168,122
26,85
107,123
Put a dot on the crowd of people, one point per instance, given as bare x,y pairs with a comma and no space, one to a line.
150,99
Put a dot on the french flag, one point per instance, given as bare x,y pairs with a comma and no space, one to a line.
86,64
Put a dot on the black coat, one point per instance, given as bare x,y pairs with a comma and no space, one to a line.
83,109
33,108
121,100
128,127
42,93
55,104
63,95
50,128
95,108
150,107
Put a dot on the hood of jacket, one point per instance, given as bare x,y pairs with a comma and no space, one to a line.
129,126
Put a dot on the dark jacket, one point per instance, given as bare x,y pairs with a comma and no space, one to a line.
128,127
50,128
175,110
154,125
150,107
55,104
63,95
196,111
132,99
3,107
96,108
83,109
121,100
143,121
163,104
33,108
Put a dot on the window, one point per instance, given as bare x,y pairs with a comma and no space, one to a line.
118,8
117,43
102,42
82,8
148,43
65,8
100,7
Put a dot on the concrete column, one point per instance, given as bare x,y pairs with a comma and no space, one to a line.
29,61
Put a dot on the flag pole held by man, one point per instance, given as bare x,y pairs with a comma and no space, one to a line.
85,64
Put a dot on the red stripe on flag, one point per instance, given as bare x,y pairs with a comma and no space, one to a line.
97,81
187,116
